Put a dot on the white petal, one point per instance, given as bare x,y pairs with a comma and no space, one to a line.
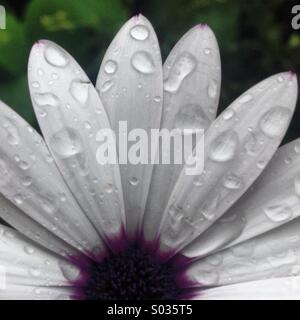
30,179
273,200
192,81
132,91
70,115
33,230
16,292
237,148
24,263
274,254
272,289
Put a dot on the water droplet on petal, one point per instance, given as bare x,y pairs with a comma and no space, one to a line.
212,90
35,84
275,121
56,57
191,116
207,278
66,143
232,182
18,198
207,51
46,100
110,66
139,32
184,65
246,98
224,147
107,85
143,62
11,129
26,181
228,114
278,213
109,188
80,91
134,181
29,250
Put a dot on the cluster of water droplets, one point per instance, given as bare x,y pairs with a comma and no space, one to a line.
223,150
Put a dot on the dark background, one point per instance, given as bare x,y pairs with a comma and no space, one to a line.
255,37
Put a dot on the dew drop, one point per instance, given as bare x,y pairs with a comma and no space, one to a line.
18,198
207,51
212,90
46,100
224,147
107,85
109,189
26,181
66,143
110,66
80,91
139,32
29,250
232,182
228,114
142,62
13,136
278,213
191,116
56,57
246,98
133,181
35,84
184,65
274,122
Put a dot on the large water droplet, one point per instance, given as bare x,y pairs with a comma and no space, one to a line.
191,116
139,32
46,100
224,146
110,66
275,121
56,57
80,91
66,143
70,272
184,65
143,62
278,213
11,129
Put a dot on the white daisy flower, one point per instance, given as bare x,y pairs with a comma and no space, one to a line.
87,231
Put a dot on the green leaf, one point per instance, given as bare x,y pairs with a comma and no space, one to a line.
16,95
13,49
45,17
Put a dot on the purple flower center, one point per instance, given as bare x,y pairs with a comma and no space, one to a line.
131,274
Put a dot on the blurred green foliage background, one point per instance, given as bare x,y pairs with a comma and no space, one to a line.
255,37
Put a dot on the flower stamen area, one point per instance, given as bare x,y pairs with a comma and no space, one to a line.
131,274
